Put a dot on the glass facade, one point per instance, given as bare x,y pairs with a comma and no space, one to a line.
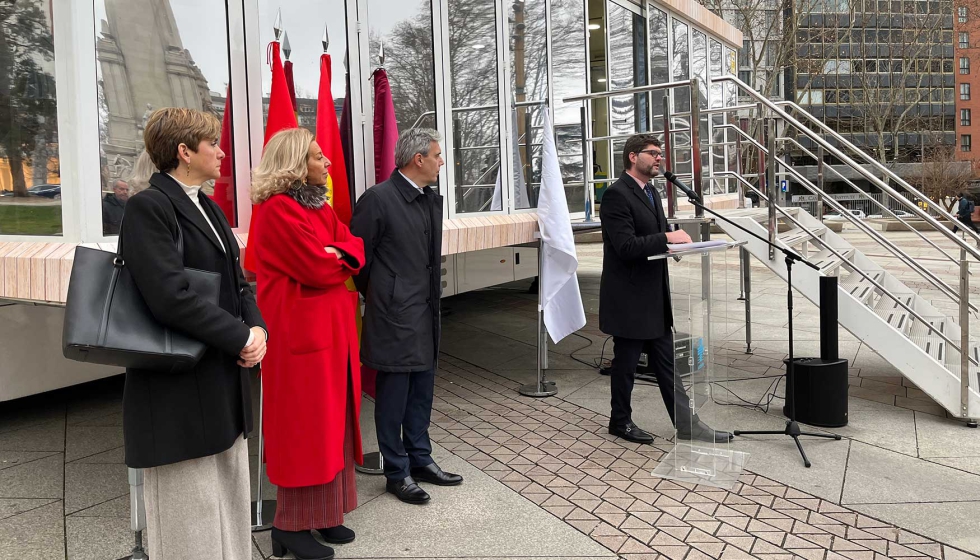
482,72
160,54
30,163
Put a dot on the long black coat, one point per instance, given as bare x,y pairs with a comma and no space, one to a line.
172,417
634,293
402,278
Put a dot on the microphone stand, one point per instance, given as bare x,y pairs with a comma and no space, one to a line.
792,428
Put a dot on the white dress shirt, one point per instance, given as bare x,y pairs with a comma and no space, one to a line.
192,194
411,182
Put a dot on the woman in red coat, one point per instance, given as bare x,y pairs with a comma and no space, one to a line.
311,400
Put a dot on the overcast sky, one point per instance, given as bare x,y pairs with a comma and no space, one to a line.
203,31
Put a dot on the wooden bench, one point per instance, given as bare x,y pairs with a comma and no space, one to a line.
38,271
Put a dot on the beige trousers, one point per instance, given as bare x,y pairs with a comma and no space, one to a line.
200,508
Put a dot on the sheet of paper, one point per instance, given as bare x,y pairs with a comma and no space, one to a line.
677,247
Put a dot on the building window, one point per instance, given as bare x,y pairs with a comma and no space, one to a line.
964,92
965,117
961,14
964,40
966,142
964,65
745,76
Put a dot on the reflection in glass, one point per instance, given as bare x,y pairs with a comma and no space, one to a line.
569,74
475,126
30,173
153,54
659,63
731,90
627,63
682,66
529,79
405,29
716,69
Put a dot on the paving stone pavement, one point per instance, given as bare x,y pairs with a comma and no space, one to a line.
559,456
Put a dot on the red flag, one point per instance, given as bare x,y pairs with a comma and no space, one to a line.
288,71
224,187
281,113
328,137
385,127
281,117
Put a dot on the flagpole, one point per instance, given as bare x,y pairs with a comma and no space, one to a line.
541,388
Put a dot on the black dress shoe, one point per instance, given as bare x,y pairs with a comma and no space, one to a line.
631,432
703,432
337,535
407,491
300,543
432,474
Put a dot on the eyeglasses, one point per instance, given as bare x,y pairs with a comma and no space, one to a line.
654,153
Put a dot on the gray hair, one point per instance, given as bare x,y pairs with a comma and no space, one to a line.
414,141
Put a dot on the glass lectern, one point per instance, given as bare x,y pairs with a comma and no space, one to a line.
704,284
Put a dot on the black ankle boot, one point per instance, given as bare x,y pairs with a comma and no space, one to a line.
300,543
337,535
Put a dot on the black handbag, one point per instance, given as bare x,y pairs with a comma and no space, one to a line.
108,322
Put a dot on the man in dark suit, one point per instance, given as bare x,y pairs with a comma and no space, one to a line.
400,222
634,294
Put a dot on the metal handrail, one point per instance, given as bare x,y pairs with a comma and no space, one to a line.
875,163
626,91
908,260
833,150
902,255
872,199
840,256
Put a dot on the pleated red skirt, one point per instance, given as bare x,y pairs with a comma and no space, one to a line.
324,505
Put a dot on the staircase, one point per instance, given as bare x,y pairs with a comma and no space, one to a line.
876,307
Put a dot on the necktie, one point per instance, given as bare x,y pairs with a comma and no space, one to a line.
647,189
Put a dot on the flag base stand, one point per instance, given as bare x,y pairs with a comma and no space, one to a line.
374,464
541,388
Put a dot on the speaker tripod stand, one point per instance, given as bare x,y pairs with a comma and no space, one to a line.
792,428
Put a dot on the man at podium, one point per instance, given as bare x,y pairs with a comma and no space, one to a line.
634,294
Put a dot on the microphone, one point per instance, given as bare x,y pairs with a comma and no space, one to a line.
687,190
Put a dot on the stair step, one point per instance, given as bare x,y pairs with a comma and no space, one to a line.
796,236
827,262
859,287
928,339
894,314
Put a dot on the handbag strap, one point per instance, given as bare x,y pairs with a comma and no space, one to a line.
180,234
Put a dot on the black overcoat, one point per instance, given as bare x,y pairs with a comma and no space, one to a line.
634,293
172,417
402,277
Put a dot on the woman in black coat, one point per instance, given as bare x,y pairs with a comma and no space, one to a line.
187,430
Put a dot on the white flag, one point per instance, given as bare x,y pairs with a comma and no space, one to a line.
560,295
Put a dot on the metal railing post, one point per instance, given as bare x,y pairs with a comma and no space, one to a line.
586,161
738,169
820,183
668,149
771,188
746,260
695,127
965,338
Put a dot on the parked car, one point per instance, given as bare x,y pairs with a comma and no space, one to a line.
46,191
859,214
899,213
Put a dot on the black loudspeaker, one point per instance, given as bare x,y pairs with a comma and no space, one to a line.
819,385
820,390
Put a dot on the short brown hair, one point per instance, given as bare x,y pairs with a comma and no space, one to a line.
637,143
170,127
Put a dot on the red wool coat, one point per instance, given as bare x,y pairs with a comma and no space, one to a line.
312,340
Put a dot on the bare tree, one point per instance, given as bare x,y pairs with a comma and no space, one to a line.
942,174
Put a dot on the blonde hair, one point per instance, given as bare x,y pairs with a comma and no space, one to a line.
139,179
283,165
170,127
